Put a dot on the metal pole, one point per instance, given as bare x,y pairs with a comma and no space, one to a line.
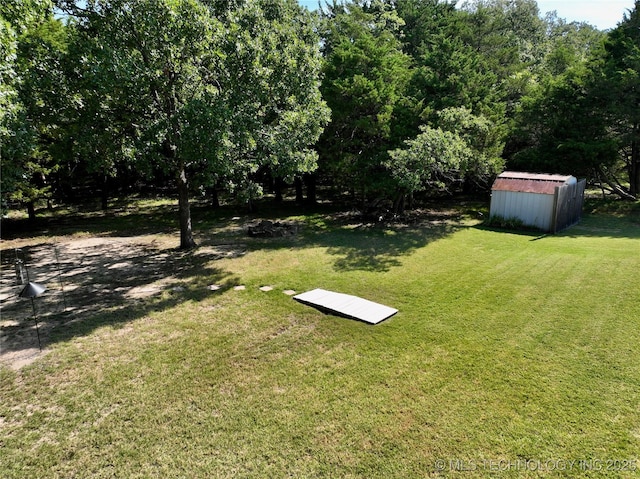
19,273
33,305
64,299
26,269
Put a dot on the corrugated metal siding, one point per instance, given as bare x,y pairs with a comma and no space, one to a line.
531,197
531,208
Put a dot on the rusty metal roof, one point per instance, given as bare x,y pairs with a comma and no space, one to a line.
529,182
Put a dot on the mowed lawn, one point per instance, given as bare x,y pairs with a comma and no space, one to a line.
512,355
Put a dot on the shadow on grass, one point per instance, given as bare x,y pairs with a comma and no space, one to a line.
120,221
380,247
608,218
615,219
114,275
99,281
358,243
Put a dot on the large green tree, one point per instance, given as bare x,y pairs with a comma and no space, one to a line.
619,88
582,117
365,79
448,71
460,149
560,128
31,41
204,91
432,161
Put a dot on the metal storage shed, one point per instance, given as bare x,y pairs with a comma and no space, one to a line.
547,202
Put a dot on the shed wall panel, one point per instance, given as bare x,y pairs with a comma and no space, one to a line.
569,209
532,209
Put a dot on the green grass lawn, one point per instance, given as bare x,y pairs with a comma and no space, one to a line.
512,355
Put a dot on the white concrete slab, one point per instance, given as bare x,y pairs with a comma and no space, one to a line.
346,305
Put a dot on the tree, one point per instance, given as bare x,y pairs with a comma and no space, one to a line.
43,95
364,83
508,33
204,92
433,161
485,141
28,40
585,120
619,86
463,149
560,128
446,71
567,45
14,138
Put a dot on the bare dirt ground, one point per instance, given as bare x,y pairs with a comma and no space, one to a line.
84,276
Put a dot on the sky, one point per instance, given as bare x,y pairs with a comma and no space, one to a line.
603,14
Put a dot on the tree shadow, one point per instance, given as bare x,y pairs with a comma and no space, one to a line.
97,281
590,225
356,242
120,220
606,226
120,271
377,247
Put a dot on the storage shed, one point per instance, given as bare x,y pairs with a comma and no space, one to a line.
548,202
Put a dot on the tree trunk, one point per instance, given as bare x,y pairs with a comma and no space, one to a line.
615,188
104,194
398,204
310,182
186,235
634,171
31,211
299,193
215,198
277,188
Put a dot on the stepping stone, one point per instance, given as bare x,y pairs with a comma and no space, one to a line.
266,288
214,287
242,287
289,292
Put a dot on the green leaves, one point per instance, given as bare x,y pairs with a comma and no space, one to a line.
366,75
582,118
31,43
432,161
206,92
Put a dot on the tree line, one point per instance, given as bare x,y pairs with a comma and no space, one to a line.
382,99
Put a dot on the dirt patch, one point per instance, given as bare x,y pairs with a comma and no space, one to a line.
86,276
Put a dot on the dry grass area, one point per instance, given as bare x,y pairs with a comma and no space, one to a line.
88,275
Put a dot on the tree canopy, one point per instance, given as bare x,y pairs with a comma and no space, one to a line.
202,92
385,98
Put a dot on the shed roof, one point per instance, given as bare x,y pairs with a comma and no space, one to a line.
529,182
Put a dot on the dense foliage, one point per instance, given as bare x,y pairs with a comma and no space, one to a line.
382,99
